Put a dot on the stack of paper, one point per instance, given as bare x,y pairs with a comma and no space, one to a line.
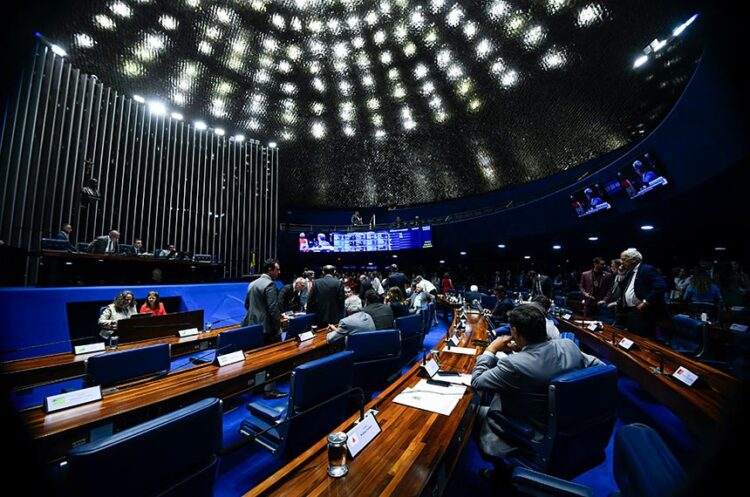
460,350
433,398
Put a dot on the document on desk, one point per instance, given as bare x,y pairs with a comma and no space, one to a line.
460,350
433,398
456,379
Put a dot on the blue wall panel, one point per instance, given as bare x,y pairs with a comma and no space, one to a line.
37,316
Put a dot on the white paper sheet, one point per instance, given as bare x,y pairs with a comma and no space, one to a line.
433,398
460,350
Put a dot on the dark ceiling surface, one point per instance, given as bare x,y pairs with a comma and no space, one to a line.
397,102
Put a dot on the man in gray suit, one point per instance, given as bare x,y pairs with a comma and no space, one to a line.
356,320
106,244
326,298
520,376
262,304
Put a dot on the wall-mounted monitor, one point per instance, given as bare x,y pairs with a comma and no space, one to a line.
590,200
641,176
418,237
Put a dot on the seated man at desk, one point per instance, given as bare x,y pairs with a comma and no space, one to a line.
122,307
356,320
520,376
153,305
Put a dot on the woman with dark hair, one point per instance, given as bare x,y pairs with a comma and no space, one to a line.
153,305
395,299
447,284
122,307
702,289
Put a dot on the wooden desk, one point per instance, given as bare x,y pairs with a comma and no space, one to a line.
54,434
415,453
705,407
27,373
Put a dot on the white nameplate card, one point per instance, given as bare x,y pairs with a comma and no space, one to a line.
625,343
461,350
71,399
738,327
685,375
188,333
453,341
308,335
431,367
362,434
226,359
593,326
87,349
566,317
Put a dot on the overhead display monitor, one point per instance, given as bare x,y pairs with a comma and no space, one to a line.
641,176
590,200
418,237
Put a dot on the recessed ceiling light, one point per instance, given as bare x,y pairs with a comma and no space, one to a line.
647,227
139,99
527,257
593,238
200,125
556,247
463,253
502,245
271,144
720,249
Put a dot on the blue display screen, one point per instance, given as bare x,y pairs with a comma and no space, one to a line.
418,237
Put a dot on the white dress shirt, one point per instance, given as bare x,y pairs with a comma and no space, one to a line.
630,299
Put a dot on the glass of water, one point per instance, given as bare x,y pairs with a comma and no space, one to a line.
114,340
337,454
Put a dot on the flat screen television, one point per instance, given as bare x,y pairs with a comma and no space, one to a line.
641,176
590,200
418,237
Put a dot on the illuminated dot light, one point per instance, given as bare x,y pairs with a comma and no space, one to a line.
337,52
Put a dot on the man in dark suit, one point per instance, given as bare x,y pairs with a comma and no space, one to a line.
289,296
64,234
595,286
397,279
540,284
381,313
326,298
473,297
642,294
502,307
262,306
106,244
365,284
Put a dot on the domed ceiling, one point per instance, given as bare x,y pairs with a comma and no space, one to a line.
399,102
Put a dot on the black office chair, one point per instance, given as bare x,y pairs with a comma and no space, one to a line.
118,367
411,337
643,467
298,325
171,456
377,358
244,338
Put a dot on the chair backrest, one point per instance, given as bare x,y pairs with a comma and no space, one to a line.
174,455
582,411
643,464
117,367
312,384
55,244
488,301
697,308
299,324
687,335
243,338
126,248
560,300
411,337
377,357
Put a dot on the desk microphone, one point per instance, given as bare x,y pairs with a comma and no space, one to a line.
211,324
251,437
660,369
201,359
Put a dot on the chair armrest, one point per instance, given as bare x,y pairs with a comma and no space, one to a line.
534,483
270,415
513,427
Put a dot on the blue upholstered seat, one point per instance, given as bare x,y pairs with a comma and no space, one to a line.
307,416
244,338
117,367
377,357
643,467
172,455
411,336
576,437
299,324
688,335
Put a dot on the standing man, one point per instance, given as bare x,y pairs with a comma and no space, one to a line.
326,298
262,306
540,284
397,278
106,244
642,300
595,285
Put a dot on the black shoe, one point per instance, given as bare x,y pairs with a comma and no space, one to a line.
274,395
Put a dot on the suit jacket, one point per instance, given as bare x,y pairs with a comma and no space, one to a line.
397,279
472,296
502,307
262,305
359,321
289,299
364,285
602,291
62,236
99,245
545,283
326,300
649,286
520,382
382,315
